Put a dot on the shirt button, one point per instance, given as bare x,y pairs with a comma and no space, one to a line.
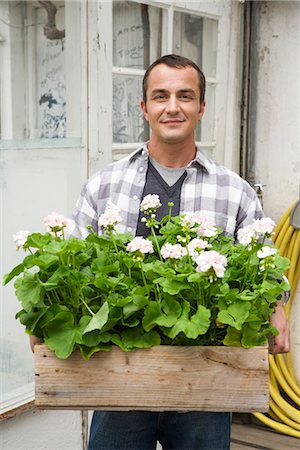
141,169
135,197
129,229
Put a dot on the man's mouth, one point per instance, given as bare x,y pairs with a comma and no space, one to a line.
166,121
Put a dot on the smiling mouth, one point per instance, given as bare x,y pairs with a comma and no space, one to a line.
171,121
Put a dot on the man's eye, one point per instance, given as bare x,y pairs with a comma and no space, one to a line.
186,97
160,97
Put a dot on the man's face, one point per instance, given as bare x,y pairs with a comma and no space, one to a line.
173,106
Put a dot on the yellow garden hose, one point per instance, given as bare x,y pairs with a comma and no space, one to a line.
284,413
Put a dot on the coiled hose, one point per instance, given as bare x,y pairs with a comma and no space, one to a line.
284,412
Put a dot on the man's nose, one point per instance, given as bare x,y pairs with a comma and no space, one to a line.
172,106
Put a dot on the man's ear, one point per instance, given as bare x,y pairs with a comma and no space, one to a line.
144,109
202,109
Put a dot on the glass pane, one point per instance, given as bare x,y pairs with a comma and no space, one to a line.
128,120
205,130
196,38
50,75
136,34
40,149
44,86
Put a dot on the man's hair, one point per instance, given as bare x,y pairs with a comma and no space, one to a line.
178,62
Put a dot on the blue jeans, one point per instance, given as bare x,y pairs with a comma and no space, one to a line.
139,430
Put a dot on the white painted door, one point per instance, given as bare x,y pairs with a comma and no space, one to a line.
42,152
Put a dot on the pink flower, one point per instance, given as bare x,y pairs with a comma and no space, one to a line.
20,238
150,203
140,244
264,226
266,251
206,227
55,220
211,260
175,251
110,217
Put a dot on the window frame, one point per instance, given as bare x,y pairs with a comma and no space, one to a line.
21,399
209,11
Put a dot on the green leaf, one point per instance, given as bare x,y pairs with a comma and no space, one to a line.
38,240
87,352
99,319
159,268
45,261
172,287
31,319
29,291
137,338
164,314
247,295
138,302
57,278
281,263
235,315
55,247
14,273
253,336
233,337
62,334
197,325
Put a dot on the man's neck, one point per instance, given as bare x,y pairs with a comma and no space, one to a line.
172,155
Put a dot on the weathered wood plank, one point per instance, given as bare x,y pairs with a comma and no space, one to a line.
261,438
158,379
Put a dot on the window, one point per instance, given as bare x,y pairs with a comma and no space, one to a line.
42,161
142,33
136,43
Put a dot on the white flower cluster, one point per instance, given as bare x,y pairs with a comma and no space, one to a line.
20,238
196,246
150,203
110,217
55,220
141,245
200,223
173,251
259,228
211,260
54,223
266,251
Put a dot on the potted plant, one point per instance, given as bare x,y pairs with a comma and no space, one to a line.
186,285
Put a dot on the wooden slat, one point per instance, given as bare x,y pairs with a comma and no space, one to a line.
158,379
244,437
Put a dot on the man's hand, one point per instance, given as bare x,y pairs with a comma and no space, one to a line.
279,320
33,341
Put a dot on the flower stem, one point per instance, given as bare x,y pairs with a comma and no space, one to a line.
156,243
114,242
87,307
144,279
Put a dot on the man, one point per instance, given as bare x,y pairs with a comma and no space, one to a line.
171,166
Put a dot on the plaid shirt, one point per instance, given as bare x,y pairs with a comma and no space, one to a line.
208,187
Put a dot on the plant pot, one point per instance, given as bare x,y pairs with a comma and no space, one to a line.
162,378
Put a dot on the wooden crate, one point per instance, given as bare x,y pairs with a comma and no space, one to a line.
162,378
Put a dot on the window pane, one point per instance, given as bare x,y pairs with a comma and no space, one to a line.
205,130
51,79
196,38
40,150
128,121
136,34
44,85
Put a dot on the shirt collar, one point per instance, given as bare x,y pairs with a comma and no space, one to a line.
206,163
